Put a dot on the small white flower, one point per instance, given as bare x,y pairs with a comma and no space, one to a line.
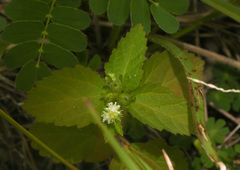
112,113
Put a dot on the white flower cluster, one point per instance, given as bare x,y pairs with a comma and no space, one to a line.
112,113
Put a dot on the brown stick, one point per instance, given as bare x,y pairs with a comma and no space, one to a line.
228,115
206,53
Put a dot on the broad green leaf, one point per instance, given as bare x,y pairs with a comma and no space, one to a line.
67,37
71,143
176,7
71,3
72,17
60,98
159,108
95,62
140,14
98,7
21,54
26,77
216,130
151,153
27,10
58,56
165,21
118,11
2,22
22,31
225,7
166,70
42,71
127,59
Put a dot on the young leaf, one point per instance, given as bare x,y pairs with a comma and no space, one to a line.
95,62
58,56
165,21
22,31
72,17
98,7
216,130
118,11
151,153
20,10
59,98
127,59
71,143
17,56
70,3
67,37
140,14
159,108
175,7
26,77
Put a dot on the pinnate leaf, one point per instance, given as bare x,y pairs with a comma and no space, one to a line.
164,19
58,56
127,59
71,143
26,77
118,11
98,7
151,153
42,71
27,10
21,54
29,74
72,17
60,98
140,14
67,37
22,31
159,108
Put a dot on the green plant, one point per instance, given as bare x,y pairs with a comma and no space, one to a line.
85,110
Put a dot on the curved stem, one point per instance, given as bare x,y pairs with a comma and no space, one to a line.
35,139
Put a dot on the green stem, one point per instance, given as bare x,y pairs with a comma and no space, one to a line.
126,159
141,163
36,140
44,33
